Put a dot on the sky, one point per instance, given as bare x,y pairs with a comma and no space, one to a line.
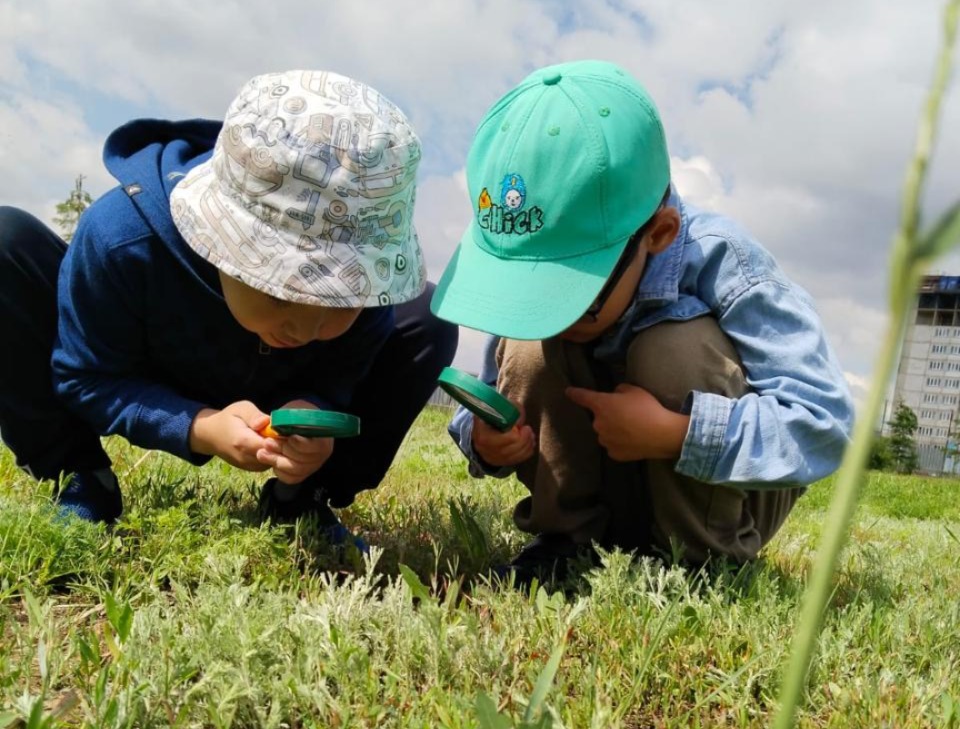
796,119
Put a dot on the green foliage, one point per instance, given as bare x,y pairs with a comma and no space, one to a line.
189,613
913,250
893,496
68,211
903,447
881,457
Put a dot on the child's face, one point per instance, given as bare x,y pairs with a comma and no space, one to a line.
283,324
586,329
663,229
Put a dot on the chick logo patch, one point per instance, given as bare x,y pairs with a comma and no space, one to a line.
513,192
509,216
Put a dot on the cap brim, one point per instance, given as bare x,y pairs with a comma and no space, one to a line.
519,299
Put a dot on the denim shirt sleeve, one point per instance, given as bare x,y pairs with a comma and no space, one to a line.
792,429
461,426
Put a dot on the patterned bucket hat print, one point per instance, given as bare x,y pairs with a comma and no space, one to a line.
309,194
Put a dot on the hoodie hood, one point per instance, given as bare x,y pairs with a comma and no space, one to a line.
148,157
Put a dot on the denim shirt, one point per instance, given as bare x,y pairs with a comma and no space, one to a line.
793,427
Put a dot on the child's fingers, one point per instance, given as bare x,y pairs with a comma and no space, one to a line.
287,470
590,399
298,445
296,455
492,438
518,451
507,449
482,428
522,419
250,414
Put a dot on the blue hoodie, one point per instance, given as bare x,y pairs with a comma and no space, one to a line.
145,337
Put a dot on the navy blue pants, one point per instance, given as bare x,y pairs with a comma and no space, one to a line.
48,440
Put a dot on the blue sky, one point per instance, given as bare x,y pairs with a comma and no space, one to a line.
796,119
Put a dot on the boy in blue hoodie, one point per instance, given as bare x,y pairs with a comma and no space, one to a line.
678,390
268,261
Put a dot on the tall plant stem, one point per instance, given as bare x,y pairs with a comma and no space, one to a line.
908,259
835,532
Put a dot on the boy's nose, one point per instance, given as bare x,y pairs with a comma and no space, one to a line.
328,324
302,329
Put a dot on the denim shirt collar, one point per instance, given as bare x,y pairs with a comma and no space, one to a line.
660,283
659,286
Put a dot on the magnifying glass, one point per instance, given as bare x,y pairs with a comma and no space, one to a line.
311,424
479,398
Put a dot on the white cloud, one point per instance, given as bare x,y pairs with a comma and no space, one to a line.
859,387
44,145
442,214
470,350
193,56
796,119
698,182
856,331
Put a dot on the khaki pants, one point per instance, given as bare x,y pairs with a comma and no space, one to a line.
576,489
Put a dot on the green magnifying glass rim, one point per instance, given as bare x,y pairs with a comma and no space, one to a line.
314,423
479,398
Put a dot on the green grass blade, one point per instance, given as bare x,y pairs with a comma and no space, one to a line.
944,235
418,590
487,714
544,682
906,257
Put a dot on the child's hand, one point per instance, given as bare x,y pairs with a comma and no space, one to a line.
631,424
295,457
504,449
231,434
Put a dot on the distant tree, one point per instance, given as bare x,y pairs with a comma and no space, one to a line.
903,447
880,458
951,449
68,212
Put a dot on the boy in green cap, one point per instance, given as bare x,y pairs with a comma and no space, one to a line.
678,393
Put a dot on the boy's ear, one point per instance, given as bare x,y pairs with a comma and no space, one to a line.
663,230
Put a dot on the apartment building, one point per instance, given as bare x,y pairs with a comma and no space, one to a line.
928,375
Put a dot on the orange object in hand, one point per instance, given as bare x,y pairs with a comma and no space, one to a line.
268,432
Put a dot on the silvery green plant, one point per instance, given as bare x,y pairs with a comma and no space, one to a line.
913,251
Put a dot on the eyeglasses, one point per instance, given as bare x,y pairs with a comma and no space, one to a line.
626,258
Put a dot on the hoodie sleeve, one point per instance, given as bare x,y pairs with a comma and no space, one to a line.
99,358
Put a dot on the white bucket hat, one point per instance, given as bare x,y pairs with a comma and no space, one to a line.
309,193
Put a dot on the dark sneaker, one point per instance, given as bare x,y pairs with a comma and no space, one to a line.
308,502
91,495
547,557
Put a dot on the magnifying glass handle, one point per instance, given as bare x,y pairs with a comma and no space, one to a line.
268,432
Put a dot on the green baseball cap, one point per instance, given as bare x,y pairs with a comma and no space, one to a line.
562,171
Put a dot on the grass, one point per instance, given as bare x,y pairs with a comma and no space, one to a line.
190,613
914,249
